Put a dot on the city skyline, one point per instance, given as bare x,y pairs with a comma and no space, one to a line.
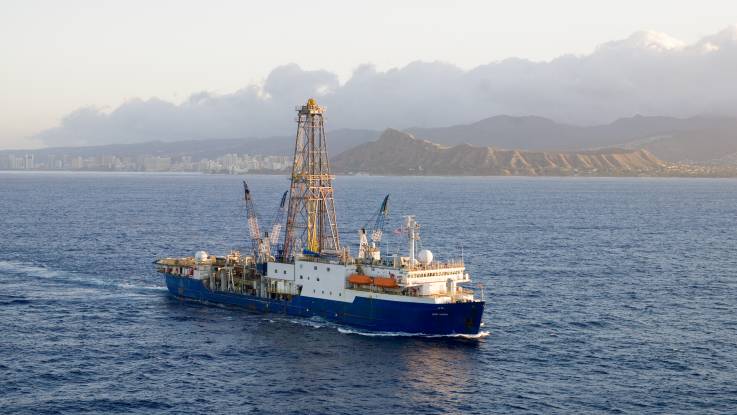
231,163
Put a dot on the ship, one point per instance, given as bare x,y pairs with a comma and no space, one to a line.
309,274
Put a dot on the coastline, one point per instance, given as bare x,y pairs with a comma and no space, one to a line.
261,173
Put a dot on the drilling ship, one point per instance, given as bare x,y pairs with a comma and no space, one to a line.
309,273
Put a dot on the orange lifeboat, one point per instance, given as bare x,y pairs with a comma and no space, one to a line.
359,279
385,282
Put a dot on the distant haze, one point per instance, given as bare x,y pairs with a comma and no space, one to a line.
103,52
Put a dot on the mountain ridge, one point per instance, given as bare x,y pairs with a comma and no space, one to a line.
400,153
340,140
710,140
696,140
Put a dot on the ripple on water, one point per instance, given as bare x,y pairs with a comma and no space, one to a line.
598,300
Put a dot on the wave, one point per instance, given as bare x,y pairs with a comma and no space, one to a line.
479,335
319,323
313,322
25,268
33,270
141,287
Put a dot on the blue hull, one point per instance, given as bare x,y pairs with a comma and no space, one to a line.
363,313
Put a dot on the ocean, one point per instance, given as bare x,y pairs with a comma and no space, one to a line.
604,295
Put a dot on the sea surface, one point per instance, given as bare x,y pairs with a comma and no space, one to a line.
603,296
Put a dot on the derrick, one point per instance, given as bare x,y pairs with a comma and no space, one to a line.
311,226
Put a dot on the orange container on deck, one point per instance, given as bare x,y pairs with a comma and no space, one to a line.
385,282
359,279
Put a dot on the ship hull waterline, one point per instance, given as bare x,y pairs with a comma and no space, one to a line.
363,313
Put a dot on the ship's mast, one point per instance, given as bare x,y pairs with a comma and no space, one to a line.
311,223
412,236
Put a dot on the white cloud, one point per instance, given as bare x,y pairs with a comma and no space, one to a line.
648,73
646,40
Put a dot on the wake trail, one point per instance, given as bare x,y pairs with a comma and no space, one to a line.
319,323
71,277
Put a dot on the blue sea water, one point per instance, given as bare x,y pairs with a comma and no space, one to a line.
603,296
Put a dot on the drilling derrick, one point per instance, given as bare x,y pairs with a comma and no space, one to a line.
311,224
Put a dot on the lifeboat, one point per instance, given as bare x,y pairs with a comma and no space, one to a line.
385,282
360,279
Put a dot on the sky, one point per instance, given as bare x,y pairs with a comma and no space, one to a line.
76,61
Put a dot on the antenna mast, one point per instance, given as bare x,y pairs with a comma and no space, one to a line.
311,223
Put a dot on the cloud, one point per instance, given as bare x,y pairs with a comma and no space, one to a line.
648,73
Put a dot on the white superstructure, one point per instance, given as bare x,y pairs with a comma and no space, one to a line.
398,278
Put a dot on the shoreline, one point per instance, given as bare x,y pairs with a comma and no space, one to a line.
285,174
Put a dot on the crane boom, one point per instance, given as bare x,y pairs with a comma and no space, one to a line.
372,252
277,222
252,218
378,230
